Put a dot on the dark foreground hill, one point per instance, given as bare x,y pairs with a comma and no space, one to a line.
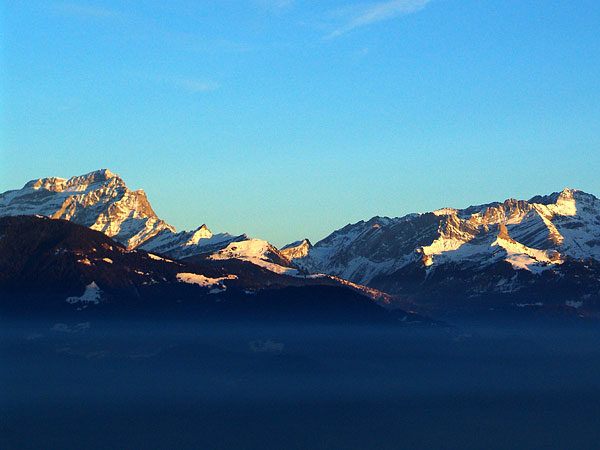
57,266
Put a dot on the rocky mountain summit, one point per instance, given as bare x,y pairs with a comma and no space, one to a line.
544,252
518,248
296,250
101,201
533,235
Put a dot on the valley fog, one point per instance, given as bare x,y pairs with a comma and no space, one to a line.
147,384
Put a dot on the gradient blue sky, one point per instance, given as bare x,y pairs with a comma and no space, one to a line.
287,119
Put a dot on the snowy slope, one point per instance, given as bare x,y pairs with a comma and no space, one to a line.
101,201
295,250
57,266
503,247
258,252
534,236
189,243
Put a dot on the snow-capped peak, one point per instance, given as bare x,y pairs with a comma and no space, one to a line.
534,235
445,211
298,249
258,252
101,200
76,183
201,232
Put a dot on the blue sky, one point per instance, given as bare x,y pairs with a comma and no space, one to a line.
287,119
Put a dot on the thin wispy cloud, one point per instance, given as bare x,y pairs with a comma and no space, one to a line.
79,10
377,12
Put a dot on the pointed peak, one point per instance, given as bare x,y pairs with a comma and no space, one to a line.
503,232
199,233
202,229
381,221
567,193
577,195
296,250
296,244
107,174
94,177
58,184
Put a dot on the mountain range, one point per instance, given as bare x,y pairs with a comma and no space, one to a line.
101,201
542,254
56,267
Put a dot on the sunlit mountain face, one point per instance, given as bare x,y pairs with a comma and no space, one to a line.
540,255
544,252
55,267
101,200
412,331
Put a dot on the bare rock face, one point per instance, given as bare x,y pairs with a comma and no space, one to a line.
296,250
495,249
101,201
542,251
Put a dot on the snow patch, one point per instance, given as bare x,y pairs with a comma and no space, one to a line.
525,258
201,280
255,251
158,258
439,246
274,267
91,295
